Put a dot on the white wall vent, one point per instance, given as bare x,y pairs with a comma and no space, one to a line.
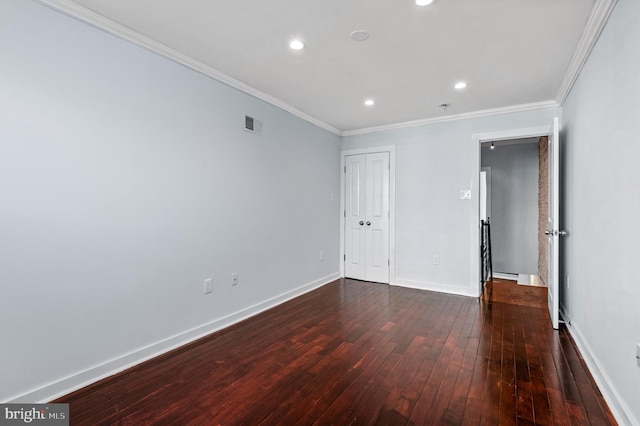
252,125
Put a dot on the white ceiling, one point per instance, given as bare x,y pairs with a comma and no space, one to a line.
510,52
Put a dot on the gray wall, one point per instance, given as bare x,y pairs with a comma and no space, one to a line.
125,181
601,150
514,207
434,162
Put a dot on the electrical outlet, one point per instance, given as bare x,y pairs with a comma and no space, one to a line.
234,278
436,259
321,256
208,285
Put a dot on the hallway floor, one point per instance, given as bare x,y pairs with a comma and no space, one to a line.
507,291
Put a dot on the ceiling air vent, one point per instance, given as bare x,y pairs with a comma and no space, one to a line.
252,125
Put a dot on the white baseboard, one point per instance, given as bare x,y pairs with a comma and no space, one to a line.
440,288
91,375
619,409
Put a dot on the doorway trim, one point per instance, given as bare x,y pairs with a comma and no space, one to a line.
391,149
477,140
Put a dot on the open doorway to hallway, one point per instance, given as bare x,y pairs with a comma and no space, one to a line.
516,200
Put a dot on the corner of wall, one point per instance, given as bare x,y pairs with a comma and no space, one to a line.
619,409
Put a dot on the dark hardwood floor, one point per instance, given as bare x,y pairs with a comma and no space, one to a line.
361,353
507,291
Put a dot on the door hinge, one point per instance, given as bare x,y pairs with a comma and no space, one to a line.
345,213
344,257
388,262
345,169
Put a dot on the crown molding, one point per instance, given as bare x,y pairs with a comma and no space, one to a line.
595,24
464,116
98,21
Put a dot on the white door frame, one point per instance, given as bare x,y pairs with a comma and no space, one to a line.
485,198
477,140
391,149
553,231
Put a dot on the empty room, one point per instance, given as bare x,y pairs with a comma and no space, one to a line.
276,212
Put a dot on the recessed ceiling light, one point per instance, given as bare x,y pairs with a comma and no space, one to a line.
460,85
423,2
369,102
296,44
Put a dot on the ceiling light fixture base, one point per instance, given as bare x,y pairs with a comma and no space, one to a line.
359,35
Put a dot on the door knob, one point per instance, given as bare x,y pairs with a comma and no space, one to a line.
362,222
547,232
368,223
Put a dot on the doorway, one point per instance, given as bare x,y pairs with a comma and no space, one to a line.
367,217
552,231
477,141
367,237
512,170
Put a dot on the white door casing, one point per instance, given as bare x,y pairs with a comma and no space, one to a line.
367,214
477,140
553,226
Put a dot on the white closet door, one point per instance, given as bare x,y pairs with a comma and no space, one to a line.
367,236
355,217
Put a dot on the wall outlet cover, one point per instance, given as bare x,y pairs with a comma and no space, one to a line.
208,285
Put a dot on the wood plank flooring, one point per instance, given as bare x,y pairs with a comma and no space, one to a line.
361,353
507,291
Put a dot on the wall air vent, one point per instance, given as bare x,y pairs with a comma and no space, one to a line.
252,125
